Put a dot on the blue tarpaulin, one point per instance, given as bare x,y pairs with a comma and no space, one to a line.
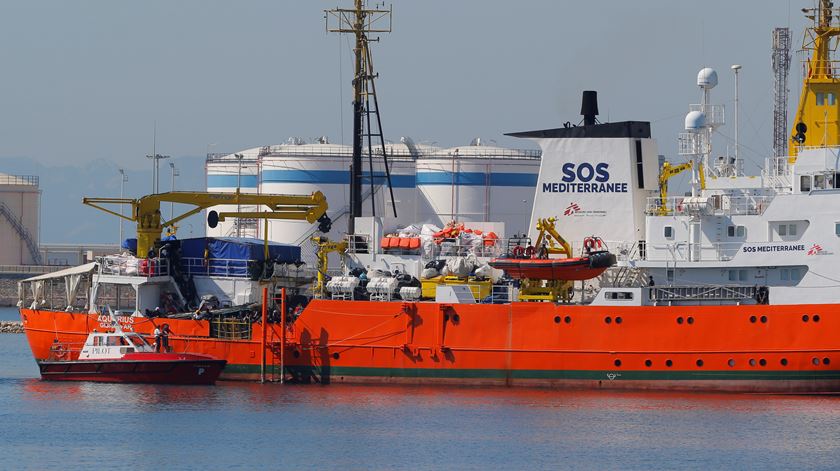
238,248
130,245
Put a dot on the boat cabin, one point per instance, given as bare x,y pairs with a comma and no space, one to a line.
113,345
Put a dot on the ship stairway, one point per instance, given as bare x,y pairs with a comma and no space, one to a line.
628,275
23,232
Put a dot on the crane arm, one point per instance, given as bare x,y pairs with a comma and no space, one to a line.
666,173
145,211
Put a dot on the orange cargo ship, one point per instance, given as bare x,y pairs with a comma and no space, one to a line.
733,287
746,348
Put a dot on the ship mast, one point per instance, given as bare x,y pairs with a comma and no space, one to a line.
816,122
361,22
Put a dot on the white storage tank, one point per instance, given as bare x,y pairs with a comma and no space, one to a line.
20,205
226,172
478,183
300,168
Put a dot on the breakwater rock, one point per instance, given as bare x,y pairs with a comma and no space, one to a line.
11,327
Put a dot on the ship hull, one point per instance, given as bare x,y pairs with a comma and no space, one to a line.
198,372
767,349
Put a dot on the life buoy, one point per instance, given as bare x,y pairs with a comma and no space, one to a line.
59,352
529,251
518,251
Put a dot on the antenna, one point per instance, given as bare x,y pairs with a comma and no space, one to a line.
361,22
781,69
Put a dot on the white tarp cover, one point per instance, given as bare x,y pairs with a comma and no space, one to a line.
71,287
81,269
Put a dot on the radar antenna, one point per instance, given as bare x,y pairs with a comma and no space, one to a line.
361,22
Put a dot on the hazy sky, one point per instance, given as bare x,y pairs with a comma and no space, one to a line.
85,80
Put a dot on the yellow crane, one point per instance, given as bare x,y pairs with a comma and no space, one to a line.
145,211
817,121
555,243
325,247
665,173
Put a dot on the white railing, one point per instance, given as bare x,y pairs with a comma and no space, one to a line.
715,114
223,267
719,205
692,143
130,266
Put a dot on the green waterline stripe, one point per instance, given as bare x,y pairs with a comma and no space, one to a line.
457,373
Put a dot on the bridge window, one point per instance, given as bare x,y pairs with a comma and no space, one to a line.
820,99
619,295
737,275
805,183
669,232
830,97
737,231
790,274
837,228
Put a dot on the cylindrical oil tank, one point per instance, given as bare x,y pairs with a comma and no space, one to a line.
478,183
227,172
299,168
20,204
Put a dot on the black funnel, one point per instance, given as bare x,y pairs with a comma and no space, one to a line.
589,107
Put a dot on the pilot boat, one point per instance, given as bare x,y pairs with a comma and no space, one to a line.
126,357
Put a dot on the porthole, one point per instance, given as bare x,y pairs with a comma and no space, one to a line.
618,320
699,363
296,353
446,318
816,317
669,363
731,362
557,319
752,361
335,356
617,362
690,320
648,363
679,320
784,362
763,319
752,319
805,318
815,361
568,320
762,362
826,361
608,320
456,318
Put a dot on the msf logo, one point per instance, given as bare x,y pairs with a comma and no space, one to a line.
815,250
571,209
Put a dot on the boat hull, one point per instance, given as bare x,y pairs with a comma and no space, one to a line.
570,269
187,371
754,348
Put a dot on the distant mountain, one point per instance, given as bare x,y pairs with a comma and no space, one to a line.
64,219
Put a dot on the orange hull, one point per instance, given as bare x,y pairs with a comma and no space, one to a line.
728,348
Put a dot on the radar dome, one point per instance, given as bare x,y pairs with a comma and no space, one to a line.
695,120
707,78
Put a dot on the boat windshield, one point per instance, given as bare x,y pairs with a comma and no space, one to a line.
137,340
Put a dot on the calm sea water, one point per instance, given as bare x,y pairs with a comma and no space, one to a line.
9,314
253,426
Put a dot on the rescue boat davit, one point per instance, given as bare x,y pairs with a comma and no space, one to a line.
126,357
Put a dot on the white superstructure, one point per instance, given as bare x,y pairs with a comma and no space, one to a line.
770,238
